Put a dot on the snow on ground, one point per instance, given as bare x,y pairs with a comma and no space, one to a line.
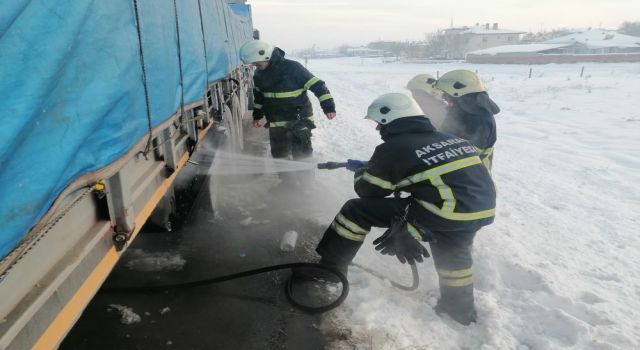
558,268
141,260
127,315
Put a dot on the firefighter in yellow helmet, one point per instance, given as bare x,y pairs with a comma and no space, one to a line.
449,196
428,98
471,111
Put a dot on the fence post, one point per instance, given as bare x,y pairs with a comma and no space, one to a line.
530,70
582,72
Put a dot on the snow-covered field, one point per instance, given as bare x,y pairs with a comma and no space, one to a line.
559,267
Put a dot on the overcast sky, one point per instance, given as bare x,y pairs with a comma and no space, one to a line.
294,24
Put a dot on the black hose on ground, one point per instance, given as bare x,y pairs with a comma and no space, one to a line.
414,273
207,281
288,287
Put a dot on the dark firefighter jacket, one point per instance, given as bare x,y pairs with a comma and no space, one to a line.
451,188
280,91
471,117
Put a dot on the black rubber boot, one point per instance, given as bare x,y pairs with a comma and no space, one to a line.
344,268
464,316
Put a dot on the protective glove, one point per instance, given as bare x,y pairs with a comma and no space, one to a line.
399,242
354,165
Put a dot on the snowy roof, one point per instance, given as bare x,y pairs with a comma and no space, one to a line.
525,48
481,29
597,38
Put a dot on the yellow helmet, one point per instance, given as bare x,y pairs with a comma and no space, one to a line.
424,82
389,107
255,51
459,83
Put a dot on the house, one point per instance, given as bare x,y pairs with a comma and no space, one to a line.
600,41
460,40
363,51
593,45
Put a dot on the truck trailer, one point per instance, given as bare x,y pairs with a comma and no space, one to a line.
102,103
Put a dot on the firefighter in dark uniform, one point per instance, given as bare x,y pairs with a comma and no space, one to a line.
280,95
448,197
471,111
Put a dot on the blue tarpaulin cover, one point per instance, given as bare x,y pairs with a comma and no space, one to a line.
71,89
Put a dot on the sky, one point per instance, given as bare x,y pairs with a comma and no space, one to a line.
296,24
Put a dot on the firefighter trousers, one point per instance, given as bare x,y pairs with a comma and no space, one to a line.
451,251
292,144
289,143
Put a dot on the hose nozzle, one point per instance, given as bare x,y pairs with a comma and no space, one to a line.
332,165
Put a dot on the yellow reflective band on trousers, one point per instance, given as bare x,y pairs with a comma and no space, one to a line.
434,175
309,83
324,97
352,226
455,278
454,273
284,122
257,106
345,233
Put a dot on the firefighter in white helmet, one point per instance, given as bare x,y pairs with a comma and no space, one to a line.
471,111
449,196
428,98
280,96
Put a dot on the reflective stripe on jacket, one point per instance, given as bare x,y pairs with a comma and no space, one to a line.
443,173
280,91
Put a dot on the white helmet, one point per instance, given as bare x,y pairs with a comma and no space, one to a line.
424,83
389,107
255,51
459,83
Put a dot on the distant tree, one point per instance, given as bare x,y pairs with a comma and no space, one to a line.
344,49
531,37
630,28
556,33
395,47
437,45
538,37
416,49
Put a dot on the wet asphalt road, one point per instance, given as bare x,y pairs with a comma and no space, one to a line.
247,313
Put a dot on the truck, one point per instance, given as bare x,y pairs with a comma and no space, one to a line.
102,103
